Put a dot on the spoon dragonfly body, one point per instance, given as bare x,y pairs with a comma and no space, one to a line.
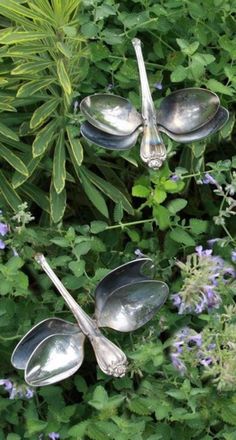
125,300
185,116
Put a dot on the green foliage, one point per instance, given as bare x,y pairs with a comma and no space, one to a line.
92,208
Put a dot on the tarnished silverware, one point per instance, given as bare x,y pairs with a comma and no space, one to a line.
186,115
124,300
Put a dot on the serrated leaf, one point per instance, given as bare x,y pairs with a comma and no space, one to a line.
162,216
43,112
57,204
97,226
99,398
43,138
13,160
218,87
7,132
198,226
95,433
159,195
178,74
63,77
9,194
59,164
176,205
181,236
75,146
140,191
77,267
78,431
139,406
118,212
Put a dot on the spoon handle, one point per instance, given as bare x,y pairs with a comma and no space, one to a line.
152,151
110,358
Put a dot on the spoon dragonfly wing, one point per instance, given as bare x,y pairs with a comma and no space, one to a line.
133,271
188,109
111,113
109,141
131,306
36,335
216,123
55,358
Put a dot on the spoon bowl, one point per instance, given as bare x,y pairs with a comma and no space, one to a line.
108,141
111,114
55,358
188,109
40,332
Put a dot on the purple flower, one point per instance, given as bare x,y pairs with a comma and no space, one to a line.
2,244
53,435
209,179
233,256
3,229
197,339
7,384
201,252
158,86
177,363
174,178
29,393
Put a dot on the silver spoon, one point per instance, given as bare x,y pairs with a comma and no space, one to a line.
113,123
125,300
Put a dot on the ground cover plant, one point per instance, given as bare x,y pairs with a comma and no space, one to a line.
89,210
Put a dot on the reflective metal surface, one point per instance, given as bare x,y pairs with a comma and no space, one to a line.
125,300
186,110
106,140
131,306
55,358
36,335
211,127
111,113
185,116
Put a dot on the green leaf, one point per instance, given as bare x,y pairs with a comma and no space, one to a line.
44,138
163,216
176,205
64,49
159,195
31,67
140,191
59,163
181,236
139,406
36,194
99,398
75,145
186,47
198,226
9,193
31,87
57,204
63,77
6,131
18,37
77,267
13,437
178,74
111,191
13,160
97,226
218,87
43,112
78,431
93,194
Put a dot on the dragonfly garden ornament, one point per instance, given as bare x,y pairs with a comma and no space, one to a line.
125,300
186,115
